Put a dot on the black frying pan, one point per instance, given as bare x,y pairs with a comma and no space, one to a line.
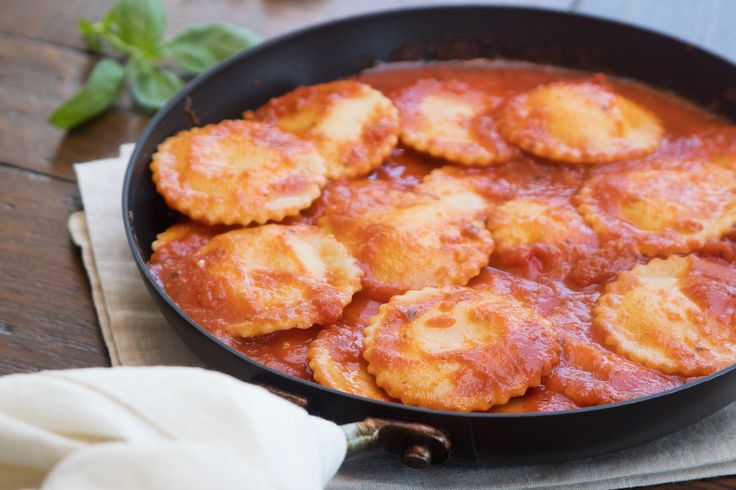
342,48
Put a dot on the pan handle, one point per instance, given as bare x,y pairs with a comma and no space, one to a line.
420,445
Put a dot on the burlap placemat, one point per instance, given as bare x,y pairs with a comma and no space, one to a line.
136,334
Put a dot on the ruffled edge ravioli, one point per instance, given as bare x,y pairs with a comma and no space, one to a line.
255,281
450,119
353,126
237,172
675,315
458,348
579,122
542,233
336,355
664,208
394,233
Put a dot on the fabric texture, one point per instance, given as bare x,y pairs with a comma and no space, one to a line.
158,428
137,334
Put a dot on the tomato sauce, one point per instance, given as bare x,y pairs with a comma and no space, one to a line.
588,373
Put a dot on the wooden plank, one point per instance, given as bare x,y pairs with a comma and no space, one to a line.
36,77
47,320
56,21
705,23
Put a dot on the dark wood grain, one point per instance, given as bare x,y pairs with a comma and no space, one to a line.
36,77
56,22
47,320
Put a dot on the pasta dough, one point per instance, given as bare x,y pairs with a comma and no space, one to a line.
336,355
452,120
352,125
676,315
237,172
393,233
579,122
255,281
458,348
663,207
539,235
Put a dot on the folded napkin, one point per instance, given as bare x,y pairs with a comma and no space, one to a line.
136,334
158,427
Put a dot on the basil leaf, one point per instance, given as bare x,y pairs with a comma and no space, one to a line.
153,85
201,47
98,94
92,38
138,23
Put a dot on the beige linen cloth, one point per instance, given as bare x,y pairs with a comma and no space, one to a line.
136,334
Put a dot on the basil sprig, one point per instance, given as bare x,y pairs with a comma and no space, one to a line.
134,30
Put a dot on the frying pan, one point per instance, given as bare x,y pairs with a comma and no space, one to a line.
337,49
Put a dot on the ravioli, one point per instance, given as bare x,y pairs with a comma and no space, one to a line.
405,240
676,315
539,236
452,120
520,177
336,355
664,207
353,126
458,348
173,247
590,375
254,281
237,172
579,122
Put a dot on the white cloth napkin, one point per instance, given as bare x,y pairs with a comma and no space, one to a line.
158,428
137,334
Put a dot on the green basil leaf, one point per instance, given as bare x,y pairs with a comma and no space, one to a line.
138,23
153,85
98,94
92,38
202,46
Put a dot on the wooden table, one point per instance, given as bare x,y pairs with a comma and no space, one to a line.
47,320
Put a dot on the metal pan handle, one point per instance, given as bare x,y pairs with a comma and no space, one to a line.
420,445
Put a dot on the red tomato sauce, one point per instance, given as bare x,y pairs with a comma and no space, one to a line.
588,373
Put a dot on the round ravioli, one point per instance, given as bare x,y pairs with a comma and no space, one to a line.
521,177
352,125
404,240
255,281
237,172
452,120
179,241
479,187
590,375
458,348
539,235
664,207
676,315
336,355
579,122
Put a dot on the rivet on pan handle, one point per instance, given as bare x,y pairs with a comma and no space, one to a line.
420,445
